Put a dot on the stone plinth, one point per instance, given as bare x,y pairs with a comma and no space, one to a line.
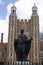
22,63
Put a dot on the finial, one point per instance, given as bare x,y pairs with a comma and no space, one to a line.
13,3
34,4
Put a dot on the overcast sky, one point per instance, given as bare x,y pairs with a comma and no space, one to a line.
24,11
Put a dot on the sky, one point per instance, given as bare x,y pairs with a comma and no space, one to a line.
24,11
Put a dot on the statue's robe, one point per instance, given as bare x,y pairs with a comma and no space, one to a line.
22,46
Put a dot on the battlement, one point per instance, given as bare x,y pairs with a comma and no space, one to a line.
18,20
23,20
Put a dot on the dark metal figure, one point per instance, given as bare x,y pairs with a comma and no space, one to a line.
22,46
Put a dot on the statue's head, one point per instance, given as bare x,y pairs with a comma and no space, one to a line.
22,31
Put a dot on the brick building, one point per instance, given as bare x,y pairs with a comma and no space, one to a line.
3,51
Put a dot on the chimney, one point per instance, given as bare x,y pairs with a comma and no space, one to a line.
1,37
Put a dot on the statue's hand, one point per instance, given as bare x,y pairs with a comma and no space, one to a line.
31,38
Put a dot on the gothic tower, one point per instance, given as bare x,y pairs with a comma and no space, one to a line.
35,34
11,35
31,28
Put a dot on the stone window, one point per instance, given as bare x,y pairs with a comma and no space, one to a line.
41,53
4,54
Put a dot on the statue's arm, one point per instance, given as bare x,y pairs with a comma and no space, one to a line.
28,46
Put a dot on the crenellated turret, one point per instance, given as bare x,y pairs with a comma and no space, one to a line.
35,33
12,34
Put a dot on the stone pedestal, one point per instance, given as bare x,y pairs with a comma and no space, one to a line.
22,63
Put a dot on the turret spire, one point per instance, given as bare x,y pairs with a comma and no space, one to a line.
34,10
13,10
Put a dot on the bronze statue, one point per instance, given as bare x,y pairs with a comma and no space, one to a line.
22,46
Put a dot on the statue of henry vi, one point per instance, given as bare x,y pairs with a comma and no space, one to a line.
22,46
